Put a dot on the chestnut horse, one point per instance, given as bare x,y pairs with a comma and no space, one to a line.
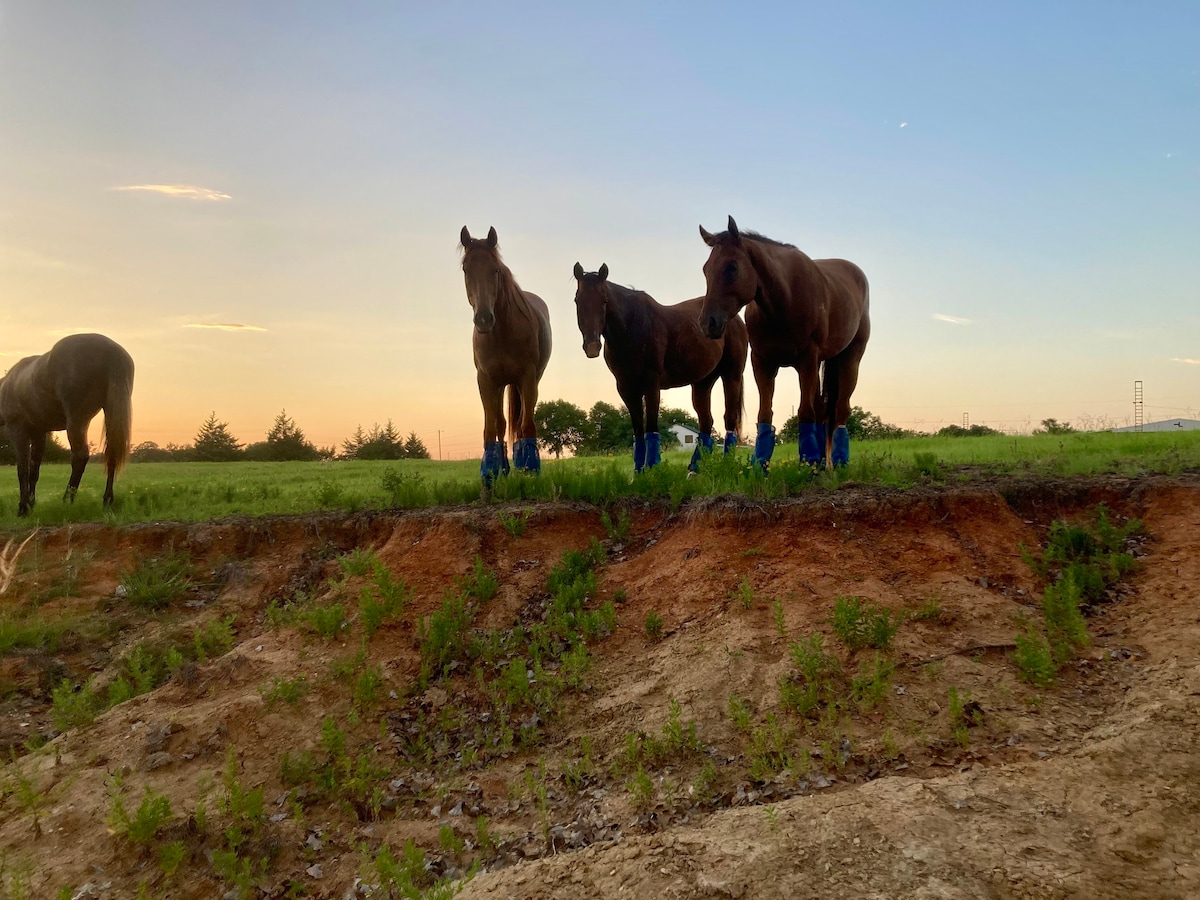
649,347
64,389
801,312
512,348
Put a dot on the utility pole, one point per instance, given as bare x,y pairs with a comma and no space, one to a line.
966,420
1137,405
439,431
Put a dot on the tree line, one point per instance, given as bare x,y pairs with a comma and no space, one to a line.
285,441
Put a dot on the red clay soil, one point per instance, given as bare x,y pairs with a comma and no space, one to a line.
1090,787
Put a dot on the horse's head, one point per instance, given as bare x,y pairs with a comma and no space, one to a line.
730,278
591,302
483,272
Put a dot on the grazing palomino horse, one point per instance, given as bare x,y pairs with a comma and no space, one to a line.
802,313
512,348
649,347
64,389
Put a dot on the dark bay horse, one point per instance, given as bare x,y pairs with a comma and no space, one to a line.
649,347
64,389
512,348
801,312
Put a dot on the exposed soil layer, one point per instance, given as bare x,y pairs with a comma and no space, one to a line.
1089,787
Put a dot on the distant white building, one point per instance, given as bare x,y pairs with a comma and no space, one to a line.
1164,425
687,436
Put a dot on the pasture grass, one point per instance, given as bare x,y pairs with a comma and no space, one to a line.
199,491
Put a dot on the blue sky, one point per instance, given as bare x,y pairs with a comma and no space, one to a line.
1020,182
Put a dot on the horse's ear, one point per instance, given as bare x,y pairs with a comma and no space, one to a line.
710,239
464,237
578,272
733,230
603,273
492,237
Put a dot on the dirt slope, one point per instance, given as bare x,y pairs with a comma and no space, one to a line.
1088,788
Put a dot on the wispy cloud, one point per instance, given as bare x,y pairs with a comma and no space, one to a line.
225,326
953,320
187,191
1190,362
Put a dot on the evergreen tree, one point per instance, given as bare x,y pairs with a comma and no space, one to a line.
214,443
285,441
414,447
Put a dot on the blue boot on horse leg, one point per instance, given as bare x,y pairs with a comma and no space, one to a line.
653,449
812,444
639,453
841,447
704,445
493,462
764,446
525,456
731,441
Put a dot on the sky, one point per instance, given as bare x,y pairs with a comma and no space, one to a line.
262,200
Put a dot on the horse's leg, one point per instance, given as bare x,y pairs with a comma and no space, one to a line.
812,438
702,403
633,402
653,439
847,362
77,438
20,440
732,384
764,442
37,450
527,428
492,397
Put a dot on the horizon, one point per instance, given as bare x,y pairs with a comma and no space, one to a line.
262,202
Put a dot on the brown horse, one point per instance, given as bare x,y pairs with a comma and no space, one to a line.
802,313
512,348
64,389
649,347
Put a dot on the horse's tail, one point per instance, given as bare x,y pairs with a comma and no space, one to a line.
514,411
118,418
829,395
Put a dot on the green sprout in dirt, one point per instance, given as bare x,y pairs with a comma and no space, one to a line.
654,625
860,623
158,581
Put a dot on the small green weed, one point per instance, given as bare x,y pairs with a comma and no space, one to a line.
513,523
860,623
158,581
654,625
617,532
743,593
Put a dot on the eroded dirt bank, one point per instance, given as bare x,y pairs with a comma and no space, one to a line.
1090,787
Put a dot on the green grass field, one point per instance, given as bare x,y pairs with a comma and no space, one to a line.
197,491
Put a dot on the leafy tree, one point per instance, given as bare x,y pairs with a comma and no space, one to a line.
214,443
561,425
973,431
609,430
414,447
149,451
1053,426
285,441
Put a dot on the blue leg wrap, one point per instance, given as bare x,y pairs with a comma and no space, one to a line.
764,445
504,456
704,444
493,454
639,453
841,446
731,440
812,443
653,454
526,456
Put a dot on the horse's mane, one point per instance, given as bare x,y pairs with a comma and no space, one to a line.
760,238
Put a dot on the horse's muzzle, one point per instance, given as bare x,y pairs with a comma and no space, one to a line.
591,348
714,327
484,322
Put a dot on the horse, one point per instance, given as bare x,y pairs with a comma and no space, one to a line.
512,347
809,314
64,389
649,347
